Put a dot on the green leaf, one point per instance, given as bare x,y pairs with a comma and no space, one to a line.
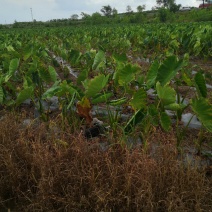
10,48
152,74
74,56
27,53
203,110
120,57
1,95
153,113
165,121
168,69
136,119
139,99
117,102
126,75
200,85
53,74
95,85
99,60
44,74
175,107
166,94
186,79
101,98
82,76
52,91
14,63
24,94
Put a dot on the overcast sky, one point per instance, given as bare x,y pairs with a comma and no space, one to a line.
44,10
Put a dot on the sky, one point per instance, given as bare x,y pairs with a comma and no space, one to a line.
44,10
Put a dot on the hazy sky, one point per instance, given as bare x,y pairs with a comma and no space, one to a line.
43,10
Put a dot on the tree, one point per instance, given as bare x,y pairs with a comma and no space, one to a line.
85,15
129,9
106,10
114,12
74,17
96,18
169,4
140,8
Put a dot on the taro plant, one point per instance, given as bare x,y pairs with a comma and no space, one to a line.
7,87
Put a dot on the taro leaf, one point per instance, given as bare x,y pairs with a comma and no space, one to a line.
120,57
136,119
84,108
101,98
186,79
126,74
82,76
1,95
117,102
10,48
65,89
74,56
95,85
203,110
165,121
14,63
152,74
139,99
52,91
153,113
168,69
27,53
53,74
99,60
44,54
44,75
175,107
24,94
200,85
166,94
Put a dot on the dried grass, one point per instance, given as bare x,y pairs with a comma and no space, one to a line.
37,174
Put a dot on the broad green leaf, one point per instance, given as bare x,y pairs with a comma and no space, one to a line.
186,79
165,121
136,119
65,89
44,75
168,69
10,48
95,85
152,74
200,85
175,106
52,91
120,57
99,60
153,112
24,94
117,102
74,56
166,94
203,110
82,76
139,100
126,74
53,73
27,53
1,95
101,98
14,63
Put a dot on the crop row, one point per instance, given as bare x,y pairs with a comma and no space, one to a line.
104,58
